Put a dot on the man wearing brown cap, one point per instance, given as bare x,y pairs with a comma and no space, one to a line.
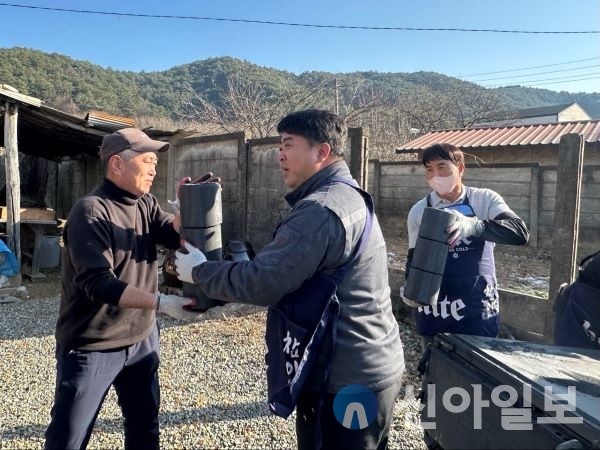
106,333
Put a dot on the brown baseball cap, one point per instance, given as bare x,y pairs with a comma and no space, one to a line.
129,139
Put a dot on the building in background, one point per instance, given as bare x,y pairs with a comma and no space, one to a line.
571,112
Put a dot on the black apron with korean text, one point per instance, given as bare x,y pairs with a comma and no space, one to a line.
299,324
468,299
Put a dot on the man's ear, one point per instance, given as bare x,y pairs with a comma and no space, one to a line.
115,164
324,151
461,169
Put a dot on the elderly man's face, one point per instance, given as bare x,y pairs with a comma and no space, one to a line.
136,174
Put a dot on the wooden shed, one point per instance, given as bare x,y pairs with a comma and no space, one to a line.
38,145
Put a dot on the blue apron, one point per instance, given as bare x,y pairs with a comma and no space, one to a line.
468,299
301,323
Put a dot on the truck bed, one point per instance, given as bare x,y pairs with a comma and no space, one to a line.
538,396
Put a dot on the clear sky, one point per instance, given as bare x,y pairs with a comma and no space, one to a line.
490,59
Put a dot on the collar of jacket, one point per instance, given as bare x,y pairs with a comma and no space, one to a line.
118,194
337,169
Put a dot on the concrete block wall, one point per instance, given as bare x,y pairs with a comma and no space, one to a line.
529,189
223,155
71,185
589,217
266,190
253,189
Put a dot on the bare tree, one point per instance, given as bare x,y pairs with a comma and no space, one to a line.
472,104
387,129
246,105
424,109
457,106
365,106
356,98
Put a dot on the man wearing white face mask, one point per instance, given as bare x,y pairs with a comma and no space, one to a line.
468,299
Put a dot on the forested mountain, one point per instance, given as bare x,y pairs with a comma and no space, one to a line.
210,91
91,87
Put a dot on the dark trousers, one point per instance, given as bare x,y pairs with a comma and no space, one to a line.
333,435
83,379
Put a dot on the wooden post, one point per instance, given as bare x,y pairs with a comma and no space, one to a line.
376,184
358,158
13,180
566,221
534,206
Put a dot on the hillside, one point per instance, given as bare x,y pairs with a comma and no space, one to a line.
60,80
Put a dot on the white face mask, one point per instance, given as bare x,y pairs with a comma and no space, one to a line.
442,185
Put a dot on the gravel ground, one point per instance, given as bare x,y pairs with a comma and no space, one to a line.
212,381
212,371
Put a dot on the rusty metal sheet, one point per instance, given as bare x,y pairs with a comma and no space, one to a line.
521,135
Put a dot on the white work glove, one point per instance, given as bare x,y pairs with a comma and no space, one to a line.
174,206
185,262
407,301
464,228
174,305
208,177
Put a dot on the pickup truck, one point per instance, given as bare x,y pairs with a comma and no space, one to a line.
487,393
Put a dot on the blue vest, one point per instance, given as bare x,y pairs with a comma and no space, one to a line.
468,299
301,322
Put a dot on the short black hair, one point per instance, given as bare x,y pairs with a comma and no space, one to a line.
443,151
317,125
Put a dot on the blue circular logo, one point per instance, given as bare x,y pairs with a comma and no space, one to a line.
355,406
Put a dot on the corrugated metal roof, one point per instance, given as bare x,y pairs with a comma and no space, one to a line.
52,134
104,120
520,136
